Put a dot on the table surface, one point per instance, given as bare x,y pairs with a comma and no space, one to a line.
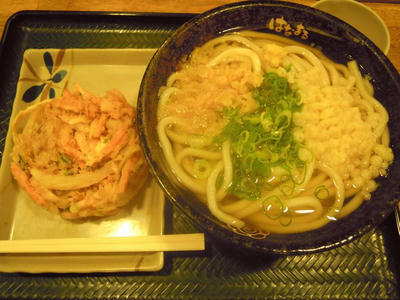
363,262
388,10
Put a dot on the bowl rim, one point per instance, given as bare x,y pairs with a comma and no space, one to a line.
212,224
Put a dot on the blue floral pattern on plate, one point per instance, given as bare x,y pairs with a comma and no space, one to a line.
45,87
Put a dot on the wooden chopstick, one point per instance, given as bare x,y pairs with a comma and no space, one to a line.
151,243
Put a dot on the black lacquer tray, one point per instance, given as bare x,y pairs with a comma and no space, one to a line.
366,268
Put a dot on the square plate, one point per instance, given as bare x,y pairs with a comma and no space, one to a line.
45,73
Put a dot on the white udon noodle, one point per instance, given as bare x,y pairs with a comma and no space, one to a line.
306,211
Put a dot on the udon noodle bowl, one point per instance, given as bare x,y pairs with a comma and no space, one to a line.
272,134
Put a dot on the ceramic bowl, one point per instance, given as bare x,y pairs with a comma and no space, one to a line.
361,17
337,40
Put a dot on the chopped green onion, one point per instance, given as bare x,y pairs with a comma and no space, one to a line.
201,168
67,172
264,138
284,213
244,136
65,158
321,192
289,218
21,162
288,67
303,175
287,185
305,154
268,206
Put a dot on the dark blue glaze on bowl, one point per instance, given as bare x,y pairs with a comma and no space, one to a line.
338,41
